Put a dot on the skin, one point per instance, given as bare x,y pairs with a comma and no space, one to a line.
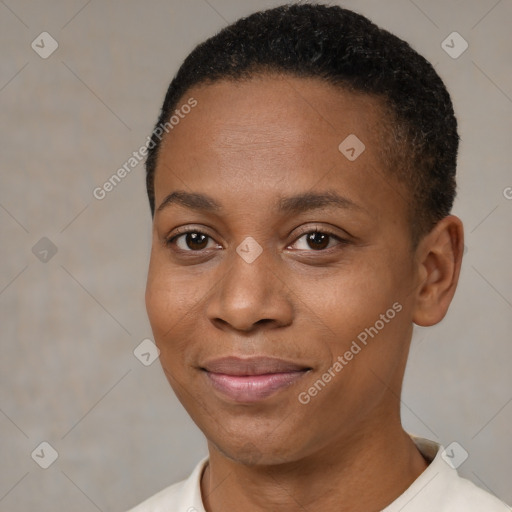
247,145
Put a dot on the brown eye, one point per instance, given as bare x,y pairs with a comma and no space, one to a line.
196,241
317,240
190,241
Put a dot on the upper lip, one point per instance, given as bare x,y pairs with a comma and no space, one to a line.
251,366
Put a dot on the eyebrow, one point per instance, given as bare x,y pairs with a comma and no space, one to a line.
291,205
190,200
314,200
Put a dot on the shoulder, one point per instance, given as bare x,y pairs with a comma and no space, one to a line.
441,488
168,497
464,495
184,496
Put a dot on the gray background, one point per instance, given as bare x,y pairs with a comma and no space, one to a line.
69,325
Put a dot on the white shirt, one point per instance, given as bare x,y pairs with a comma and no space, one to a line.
438,489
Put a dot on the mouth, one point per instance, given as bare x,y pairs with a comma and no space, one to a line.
254,379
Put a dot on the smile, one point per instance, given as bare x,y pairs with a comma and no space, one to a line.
252,380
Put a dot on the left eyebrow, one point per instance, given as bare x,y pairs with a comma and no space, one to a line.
311,201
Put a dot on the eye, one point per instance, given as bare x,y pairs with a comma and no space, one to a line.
317,240
192,240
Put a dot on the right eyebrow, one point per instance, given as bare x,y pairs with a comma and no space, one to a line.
192,200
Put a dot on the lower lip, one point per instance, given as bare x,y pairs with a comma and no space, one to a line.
252,388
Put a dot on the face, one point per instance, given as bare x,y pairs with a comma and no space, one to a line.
279,287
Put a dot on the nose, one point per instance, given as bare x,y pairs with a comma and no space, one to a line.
251,295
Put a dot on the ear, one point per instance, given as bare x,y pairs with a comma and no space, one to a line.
439,258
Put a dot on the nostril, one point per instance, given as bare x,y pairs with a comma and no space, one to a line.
264,321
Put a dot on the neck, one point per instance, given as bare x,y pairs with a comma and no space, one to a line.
367,472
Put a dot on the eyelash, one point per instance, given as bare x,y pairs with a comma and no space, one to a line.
341,241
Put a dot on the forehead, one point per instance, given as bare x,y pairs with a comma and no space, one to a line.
275,133
282,110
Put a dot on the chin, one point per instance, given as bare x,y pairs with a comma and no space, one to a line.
259,450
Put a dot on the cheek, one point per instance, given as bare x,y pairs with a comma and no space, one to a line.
349,299
167,313
364,312
168,300
175,301
159,301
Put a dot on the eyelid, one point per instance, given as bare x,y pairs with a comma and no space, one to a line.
183,230
339,242
315,228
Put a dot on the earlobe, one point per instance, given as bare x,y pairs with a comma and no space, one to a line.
439,257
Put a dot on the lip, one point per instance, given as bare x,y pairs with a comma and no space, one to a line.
252,379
